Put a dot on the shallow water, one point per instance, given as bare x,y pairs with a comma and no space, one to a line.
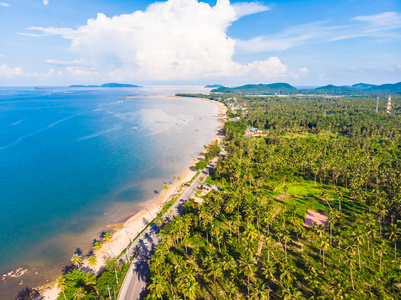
71,161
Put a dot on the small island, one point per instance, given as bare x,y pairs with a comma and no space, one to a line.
214,86
109,85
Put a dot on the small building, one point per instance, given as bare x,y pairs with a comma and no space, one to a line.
207,188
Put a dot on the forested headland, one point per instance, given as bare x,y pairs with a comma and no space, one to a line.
337,157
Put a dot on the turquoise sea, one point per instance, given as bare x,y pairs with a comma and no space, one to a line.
72,161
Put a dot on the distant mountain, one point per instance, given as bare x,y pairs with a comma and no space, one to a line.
118,85
388,88
213,86
110,85
287,89
273,88
334,90
83,86
363,86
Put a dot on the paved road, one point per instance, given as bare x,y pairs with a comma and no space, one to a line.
248,132
134,285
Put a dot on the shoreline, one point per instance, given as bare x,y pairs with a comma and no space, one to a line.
123,233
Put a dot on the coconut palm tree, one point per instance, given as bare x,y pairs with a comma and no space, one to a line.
381,252
61,285
260,291
92,261
107,239
358,240
191,289
324,244
76,260
158,287
248,265
97,246
90,281
394,235
350,260
79,293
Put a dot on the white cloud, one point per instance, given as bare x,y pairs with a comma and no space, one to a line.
3,4
29,34
9,72
78,72
387,20
248,8
379,26
172,40
303,70
45,2
271,68
61,63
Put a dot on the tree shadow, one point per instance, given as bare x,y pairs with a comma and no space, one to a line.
78,251
67,269
145,221
148,237
143,293
27,294
155,229
141,266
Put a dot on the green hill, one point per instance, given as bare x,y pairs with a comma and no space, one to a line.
274,88
287,89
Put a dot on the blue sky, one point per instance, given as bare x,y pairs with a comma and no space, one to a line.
48,42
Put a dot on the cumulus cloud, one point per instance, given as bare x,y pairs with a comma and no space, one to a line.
7,72
172,40
303,70
3,4
45,2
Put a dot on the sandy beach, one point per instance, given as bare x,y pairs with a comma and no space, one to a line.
123,233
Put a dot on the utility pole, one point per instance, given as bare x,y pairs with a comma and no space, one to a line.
109,291
377,105
116,275
125,229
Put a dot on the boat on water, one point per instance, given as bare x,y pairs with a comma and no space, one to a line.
134,128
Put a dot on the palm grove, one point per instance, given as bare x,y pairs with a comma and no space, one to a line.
248,241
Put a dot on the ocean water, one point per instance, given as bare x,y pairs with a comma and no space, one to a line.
71,162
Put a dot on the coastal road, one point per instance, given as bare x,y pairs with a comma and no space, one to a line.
134,285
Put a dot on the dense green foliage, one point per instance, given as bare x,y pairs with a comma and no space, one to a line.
200,165
212,150
78,284
248,241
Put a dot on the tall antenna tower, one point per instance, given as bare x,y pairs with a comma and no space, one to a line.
389,105
377,105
